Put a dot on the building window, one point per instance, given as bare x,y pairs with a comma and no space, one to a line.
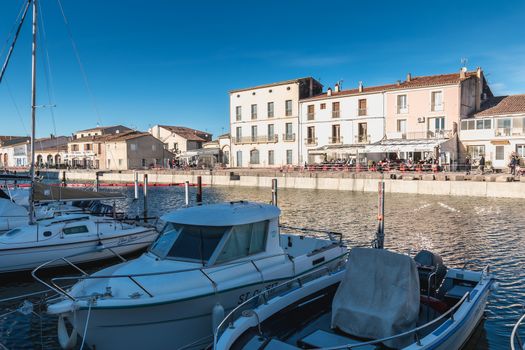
74,148
402,126
271,158
88,147
520,150
239,158
503,127
362,132
289,135
362,107
238,113
289,156
109,163
238,134
270,109
271,133
254,111
310,135
323,106
436,103
226,157
500,152
476,151
254,156
133,147
335,109
336,134
120,162
288,108
153,148
402,106
311,111
254,133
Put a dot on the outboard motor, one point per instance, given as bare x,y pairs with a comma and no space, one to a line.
431,271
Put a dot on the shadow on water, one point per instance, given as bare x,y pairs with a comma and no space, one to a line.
479,231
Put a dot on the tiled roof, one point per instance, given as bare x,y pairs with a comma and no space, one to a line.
125,136
14,141
502,105
415,82
188,133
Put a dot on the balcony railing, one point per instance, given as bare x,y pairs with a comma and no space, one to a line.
311,115
335,140
362,111
363,138
254,116
429,134
288,137
436,107
335,113
402,109
256,139
310,141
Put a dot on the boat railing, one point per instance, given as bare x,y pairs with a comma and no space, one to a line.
255,302
516,342
262,298
54,283
336,237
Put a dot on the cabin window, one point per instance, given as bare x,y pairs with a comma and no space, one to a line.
244,240
188,242
11,233
75,229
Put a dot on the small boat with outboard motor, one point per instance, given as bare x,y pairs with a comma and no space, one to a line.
207,260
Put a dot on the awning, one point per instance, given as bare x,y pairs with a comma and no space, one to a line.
402,145
349,149
47,193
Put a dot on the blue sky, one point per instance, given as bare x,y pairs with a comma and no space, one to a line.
173,62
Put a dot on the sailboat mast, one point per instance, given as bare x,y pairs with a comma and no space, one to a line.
33,115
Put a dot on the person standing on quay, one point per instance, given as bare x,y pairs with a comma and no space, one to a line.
512,164
482,164
467,164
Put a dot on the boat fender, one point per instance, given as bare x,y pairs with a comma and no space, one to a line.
66,341
217,315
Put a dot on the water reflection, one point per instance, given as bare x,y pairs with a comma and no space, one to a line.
478,231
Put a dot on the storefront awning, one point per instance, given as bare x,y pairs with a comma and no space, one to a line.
348,149
402,145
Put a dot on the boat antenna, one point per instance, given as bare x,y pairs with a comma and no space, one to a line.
33,115
380,235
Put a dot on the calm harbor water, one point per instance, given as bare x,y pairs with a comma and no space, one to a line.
483,231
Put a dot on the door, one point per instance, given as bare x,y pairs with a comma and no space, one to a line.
363,133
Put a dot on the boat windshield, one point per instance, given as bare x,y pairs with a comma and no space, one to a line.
188,242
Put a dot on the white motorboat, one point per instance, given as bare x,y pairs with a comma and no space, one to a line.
516,337
83,235
382,299
207,260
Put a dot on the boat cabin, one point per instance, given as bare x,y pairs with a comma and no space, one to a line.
219,233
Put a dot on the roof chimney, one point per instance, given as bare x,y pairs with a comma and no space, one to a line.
360,86
329,92
462,72
478,72
337,88
409,78
398,82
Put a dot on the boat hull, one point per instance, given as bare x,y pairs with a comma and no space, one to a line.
28,258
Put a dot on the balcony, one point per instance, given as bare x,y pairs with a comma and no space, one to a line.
335,140
436,107
362,112
363,139
310,141
429,134
402,109
335,113
256,139
288,137
507,132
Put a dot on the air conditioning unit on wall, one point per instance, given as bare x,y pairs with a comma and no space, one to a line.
421,119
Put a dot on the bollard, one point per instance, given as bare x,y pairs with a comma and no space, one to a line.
64,178
136,175
145,197
187,193
380,236
97,174
274,192
199,190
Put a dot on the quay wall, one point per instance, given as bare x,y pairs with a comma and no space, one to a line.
451,185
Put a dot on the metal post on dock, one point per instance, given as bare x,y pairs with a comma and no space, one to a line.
274,192
97,174
187,193
380,236
145,187
136,183
199,190
64,178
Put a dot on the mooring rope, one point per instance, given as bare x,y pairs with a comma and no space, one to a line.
86,326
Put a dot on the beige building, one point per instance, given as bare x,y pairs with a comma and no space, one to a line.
264,123
180,139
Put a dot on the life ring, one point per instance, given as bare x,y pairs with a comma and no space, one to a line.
66,341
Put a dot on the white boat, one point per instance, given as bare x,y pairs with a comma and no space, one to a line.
516,337
83,235
207,260
380,299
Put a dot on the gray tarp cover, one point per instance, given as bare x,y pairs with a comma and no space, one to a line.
378,297
47,193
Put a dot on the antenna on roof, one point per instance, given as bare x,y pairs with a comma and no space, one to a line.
464,62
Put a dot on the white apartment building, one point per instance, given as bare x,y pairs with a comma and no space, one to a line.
337,124
496,131
180,139
264,122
